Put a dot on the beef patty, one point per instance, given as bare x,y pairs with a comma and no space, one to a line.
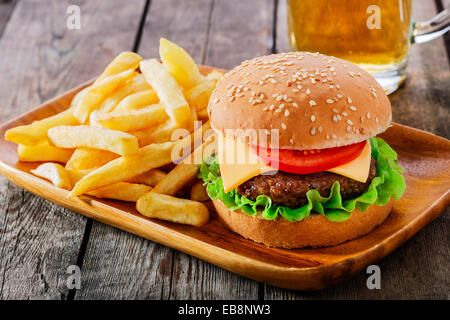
289,189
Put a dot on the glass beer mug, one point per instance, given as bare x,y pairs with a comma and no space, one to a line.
375,34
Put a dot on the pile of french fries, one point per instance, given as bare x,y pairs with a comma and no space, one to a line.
115,140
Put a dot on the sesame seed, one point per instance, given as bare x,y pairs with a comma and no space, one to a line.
353,108
313,130
291,141
349,122
271,107
313,118
335,110
312,103
334,136
339,95
283,126
286,113
349,100
295,104
349,128
330,101
368,115
320,129
308,91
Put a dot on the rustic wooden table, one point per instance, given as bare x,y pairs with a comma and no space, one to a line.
41,57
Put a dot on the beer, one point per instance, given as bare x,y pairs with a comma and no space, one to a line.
374,34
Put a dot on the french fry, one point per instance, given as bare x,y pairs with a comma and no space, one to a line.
207,148
169,92
36,133
183,149
150,178
179,64
134,85
77,175
91,137
124,191
198,192
214,76
98,92
88,158
77,98
203,115
124,61
132,120
198,96
194,117
137,100
125,168
164,207
176,179
55,173
43,152
159,134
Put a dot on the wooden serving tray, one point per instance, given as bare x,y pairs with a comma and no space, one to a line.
424,156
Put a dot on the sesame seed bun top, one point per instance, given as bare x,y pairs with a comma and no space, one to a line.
315,101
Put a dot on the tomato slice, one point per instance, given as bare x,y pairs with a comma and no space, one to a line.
308,161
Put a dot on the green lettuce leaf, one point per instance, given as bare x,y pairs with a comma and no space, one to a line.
388,183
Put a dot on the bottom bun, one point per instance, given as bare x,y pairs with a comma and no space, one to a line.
313,231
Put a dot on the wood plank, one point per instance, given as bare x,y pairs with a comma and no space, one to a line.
240,30
6,8
423,100
120,265
145,270
184,277
246,35
422,103
40,59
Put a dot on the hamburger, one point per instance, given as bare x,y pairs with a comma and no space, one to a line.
316,174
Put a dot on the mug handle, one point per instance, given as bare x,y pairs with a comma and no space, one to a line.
431,29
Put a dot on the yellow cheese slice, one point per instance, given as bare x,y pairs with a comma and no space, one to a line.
235,171
357,169
238,163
